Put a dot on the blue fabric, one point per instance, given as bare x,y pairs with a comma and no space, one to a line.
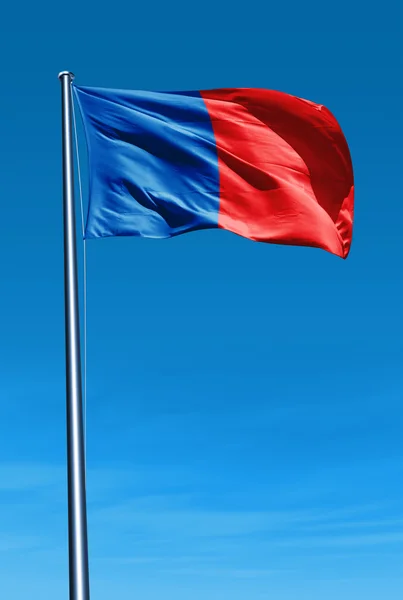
152,161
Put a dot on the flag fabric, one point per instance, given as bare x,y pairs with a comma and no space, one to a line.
263,164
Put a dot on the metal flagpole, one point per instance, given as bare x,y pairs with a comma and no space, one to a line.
78,544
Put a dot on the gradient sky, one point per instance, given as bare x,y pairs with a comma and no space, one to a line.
244,400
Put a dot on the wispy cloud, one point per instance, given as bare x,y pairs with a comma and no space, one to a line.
165,525
224,572
356,524
345,540
150,513
29,476
10,542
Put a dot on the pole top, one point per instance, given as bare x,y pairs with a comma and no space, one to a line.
68,73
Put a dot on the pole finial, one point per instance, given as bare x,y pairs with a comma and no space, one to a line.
64,73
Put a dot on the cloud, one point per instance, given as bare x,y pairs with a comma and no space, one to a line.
224,572
9,542
375,539
30,476
173,513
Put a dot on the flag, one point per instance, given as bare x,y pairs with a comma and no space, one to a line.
263,164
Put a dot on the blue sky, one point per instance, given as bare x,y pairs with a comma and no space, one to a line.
244,400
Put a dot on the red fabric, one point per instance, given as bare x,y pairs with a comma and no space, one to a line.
285,170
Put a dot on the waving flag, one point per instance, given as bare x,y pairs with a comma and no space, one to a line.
263,164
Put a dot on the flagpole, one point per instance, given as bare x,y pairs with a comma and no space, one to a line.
77,511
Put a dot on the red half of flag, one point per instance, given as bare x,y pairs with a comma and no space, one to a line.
263,164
